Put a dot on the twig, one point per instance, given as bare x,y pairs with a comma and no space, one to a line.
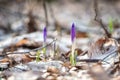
100,20
45,11
89,60
95,9
7,53
92,60
52,12
56,24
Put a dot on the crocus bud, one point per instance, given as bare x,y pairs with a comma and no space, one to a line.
45,34
72,32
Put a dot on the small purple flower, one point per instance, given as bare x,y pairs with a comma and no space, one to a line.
45,34
72,32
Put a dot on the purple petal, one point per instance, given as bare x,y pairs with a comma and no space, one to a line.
45,34
72,32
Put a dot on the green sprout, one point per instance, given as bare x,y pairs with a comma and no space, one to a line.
56,50
110,25
38,56
73,58
44,50
72,55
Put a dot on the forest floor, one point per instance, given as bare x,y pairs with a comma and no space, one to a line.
25,53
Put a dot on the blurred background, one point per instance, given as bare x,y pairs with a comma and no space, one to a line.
26,16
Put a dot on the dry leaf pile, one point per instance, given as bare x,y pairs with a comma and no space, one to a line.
99,62
95,60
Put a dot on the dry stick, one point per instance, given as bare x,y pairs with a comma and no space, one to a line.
56,24
45,11
99,20
7,53
92,60
52,12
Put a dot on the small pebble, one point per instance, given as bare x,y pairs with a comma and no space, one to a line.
64,69
45,75
73,73
73,69
52,69
55,75
51,78
60,78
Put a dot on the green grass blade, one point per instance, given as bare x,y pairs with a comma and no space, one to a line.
44,51
73,59
38,56
110,25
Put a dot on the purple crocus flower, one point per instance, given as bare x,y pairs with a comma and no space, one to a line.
45,34
73,32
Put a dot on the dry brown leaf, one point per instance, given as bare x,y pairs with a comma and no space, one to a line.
81,35
22,42
67,64
27,43
102,46
52,69
26,58
67,55
14,59
96,47
4,60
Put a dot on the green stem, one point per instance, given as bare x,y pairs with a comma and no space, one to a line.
37,56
